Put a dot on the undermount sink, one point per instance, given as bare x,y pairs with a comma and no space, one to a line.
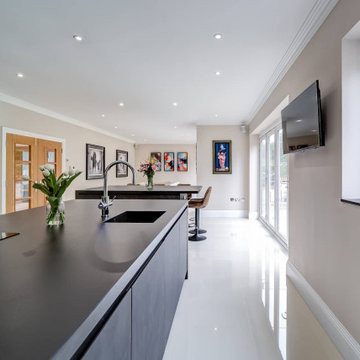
136,217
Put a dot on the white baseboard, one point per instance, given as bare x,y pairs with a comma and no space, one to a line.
348,347
225,213
253,215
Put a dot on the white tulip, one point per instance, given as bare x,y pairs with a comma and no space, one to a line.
42,168
71,171
46,172
48,167
66,174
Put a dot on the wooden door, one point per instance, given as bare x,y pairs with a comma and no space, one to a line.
21,160
48,152
24,155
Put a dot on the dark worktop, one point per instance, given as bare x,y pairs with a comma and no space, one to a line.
57,283
139,189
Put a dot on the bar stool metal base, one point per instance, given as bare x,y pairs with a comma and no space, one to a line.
197,237
200,231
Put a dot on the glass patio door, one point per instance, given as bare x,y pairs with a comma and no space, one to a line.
274,183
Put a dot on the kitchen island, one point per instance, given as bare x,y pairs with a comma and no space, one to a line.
90,289
140,192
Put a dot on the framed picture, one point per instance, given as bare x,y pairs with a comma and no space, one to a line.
95,161
182,161
156,159
222,157
169,161
121,169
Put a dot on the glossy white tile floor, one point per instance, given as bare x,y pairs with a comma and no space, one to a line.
234,304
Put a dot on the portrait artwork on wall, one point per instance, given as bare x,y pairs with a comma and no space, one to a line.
222,157
156,160
121,169
95,161
169,161
182,161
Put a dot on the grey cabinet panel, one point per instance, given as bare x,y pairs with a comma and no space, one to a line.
114,340
183,255
172,273
148,310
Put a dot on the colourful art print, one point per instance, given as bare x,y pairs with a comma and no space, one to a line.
222,157
155,158
182,161
169,161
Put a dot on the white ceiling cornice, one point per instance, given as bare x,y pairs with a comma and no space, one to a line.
311,25
38,109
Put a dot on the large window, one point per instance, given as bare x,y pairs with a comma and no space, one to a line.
274,183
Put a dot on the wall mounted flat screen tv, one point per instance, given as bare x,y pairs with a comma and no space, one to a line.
302,121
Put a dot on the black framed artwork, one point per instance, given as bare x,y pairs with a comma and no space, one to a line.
169,161
222,157
121,169
156,160
95,161
182,161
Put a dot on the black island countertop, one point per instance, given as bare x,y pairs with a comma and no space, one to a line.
57,283
139,192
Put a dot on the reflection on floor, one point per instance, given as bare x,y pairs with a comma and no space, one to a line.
234,304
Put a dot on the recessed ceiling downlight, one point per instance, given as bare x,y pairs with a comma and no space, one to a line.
298,121
218,73
20,75
121,104
218,36
175,104
102,115
77,37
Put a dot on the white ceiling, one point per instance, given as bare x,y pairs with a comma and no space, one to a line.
147,54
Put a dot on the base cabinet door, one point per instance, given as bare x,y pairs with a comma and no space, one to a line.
148,310
114,340
183,242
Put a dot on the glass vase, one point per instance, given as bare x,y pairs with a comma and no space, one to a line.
55,211
150,183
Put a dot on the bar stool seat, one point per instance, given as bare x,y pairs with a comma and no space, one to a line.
197,204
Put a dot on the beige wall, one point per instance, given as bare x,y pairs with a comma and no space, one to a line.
324,233
224,186
306,339
185,177
76,137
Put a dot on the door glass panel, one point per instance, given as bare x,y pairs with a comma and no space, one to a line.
263,178
22,189
271,179
51,156
22,205
22,170
22,152
283,189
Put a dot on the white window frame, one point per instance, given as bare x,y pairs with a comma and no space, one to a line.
274,229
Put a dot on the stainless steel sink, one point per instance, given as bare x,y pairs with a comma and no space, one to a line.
136,217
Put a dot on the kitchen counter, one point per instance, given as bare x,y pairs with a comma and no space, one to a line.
56,284
139,192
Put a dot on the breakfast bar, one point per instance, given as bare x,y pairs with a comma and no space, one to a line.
140,192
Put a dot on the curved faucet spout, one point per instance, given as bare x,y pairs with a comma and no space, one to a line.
105,202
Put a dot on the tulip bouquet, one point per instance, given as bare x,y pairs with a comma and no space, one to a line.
54,188
148,169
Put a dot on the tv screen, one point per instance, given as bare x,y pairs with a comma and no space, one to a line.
302,122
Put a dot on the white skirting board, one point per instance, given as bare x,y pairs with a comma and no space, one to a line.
348,347
225,213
